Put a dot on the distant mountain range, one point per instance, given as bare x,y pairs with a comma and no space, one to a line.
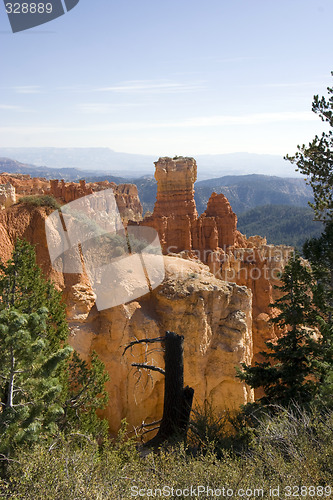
289,225
68,174
270,206
248,191
98,161
244,192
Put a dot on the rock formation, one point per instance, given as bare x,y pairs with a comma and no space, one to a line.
7,195
24,184
128,202
68,192
214,317
174,211
175,193
216,229
257,267
215,306
213,238
126,195
175,216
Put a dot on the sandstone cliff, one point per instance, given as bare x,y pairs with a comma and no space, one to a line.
24,184
175,216
213,238
214,317
126,195
216,293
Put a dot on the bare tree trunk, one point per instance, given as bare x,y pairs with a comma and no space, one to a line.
177,399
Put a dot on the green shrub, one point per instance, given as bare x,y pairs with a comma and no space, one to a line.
40,201
290,449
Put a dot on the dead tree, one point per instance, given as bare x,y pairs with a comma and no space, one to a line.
177,399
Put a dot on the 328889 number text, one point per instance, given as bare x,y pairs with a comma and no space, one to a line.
26,8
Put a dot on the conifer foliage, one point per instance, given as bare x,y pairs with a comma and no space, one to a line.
291,370
32,350
316,160
45,388
299,366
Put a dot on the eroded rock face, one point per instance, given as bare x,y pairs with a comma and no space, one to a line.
20,221
216,229
68,191
175,216
175,210
25,185
210,306
213,316
7,195
258,268
128,202
213,238
175,187
126,195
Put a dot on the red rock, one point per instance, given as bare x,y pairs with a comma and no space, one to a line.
175,215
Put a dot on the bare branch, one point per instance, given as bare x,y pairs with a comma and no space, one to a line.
4,458
143,341
143,425
149,367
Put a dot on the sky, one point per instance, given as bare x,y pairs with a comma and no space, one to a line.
183,77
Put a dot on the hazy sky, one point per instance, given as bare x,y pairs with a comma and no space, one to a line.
168,77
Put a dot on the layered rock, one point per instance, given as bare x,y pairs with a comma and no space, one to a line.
213,238
128,202
175,210
126,195
213,316
175,187
257,267
216,229
68,192
24,184
175,216
210,306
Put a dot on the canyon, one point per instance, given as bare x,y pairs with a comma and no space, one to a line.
217,289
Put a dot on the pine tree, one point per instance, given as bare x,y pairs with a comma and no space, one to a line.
315,160
43,389
299,367
30,385
85,393
319,252
291,372
23,286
